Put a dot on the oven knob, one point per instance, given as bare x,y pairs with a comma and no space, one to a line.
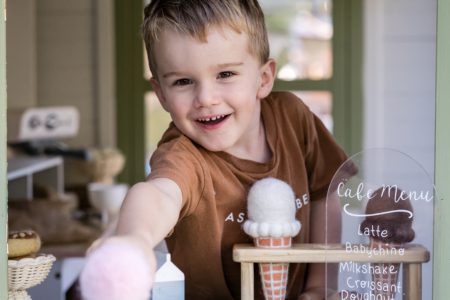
51,122
34,122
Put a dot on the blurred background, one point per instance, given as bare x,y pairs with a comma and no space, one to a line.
366,68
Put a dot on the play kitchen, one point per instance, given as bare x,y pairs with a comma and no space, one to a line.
51,224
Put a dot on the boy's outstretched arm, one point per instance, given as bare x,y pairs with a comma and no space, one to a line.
124,263
315,288
150,211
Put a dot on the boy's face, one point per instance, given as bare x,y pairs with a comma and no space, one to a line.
213,90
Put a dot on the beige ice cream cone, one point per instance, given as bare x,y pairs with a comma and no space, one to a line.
274,276
385,284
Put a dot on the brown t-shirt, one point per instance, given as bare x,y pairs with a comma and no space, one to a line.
214,188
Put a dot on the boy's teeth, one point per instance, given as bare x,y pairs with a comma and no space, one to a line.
211,119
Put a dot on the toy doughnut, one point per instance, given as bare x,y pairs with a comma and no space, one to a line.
23,243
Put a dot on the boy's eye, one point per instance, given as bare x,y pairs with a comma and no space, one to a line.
183,81
225,74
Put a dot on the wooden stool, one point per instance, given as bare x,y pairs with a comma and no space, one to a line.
412,259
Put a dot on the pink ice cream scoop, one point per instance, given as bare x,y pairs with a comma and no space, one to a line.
116,272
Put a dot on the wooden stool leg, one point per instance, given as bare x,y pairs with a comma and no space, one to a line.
247,281
412,281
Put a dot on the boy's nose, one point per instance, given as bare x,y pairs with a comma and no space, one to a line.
206,96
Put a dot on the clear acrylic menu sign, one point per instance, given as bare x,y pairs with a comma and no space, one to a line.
386,209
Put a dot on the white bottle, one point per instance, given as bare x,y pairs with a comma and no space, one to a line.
169,282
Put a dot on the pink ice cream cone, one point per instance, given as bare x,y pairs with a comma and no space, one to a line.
272,224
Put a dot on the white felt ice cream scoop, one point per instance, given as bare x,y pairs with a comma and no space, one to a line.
271,210
272,224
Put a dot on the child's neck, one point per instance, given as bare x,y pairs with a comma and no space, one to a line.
262,151
265,154
258,151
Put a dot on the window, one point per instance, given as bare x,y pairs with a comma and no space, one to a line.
300,37
321,61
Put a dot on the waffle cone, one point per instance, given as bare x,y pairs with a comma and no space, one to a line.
274,275
385,284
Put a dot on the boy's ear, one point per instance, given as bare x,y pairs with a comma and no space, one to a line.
267,78
157,89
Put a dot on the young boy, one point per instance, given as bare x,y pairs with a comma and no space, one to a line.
212,73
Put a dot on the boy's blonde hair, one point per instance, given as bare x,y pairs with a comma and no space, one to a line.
195,17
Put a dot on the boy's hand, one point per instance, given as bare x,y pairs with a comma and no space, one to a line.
313,294
119,267
323,210
110,231
318,293
95,245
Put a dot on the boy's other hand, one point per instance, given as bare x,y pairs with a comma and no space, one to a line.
318,293
313,294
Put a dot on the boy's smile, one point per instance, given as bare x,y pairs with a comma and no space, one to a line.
212,122
213,89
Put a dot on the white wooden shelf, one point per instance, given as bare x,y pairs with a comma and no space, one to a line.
25,171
